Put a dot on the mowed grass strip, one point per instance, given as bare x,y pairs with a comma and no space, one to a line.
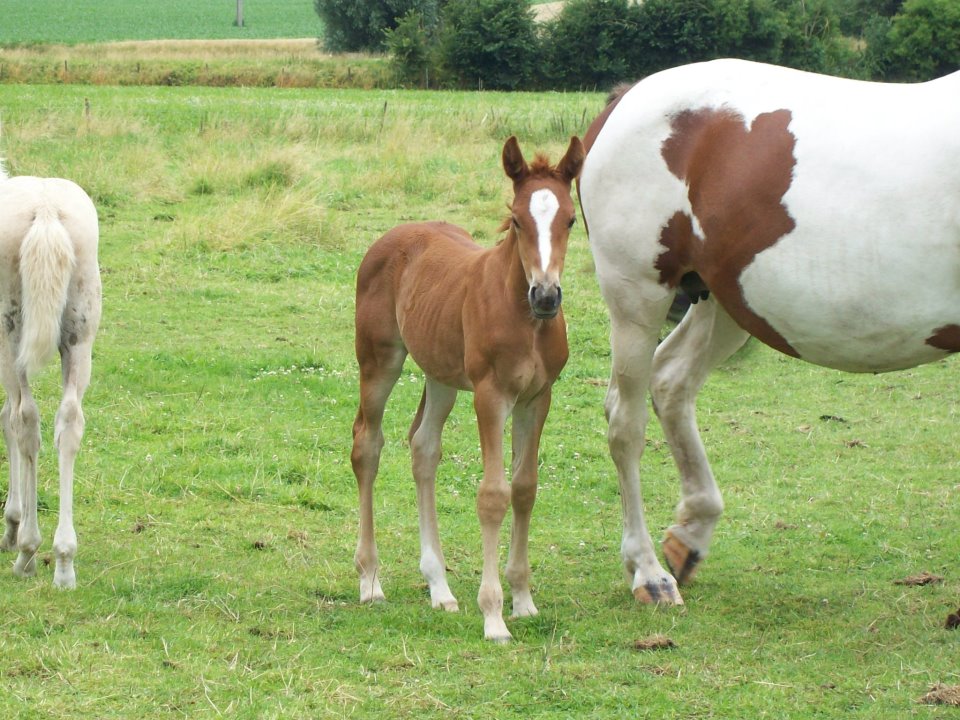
216,506
84,21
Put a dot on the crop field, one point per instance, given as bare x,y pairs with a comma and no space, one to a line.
216,508
84,21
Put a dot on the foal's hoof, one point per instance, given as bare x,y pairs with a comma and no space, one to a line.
495,630
682,560
450,605
662,592
25,566
370,592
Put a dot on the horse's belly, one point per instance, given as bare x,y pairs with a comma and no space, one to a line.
860,317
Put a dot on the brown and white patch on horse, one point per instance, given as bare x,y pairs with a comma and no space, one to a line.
946,338
737,173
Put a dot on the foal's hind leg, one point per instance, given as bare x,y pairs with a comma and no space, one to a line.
380,366
528,423
435,407
68,432
25,423
706,337
13,509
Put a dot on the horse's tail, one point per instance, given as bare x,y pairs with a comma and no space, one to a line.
47,260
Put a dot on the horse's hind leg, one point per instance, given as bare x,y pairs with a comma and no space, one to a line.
69,424
380,366
633,337
13,509
25,423
435,407
528,423
704,339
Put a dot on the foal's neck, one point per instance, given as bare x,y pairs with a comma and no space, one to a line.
510,268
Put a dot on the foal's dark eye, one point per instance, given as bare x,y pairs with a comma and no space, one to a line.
515,222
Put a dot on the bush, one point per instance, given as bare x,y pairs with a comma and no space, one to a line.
412,49
674,32
490,44
592,44
353,25
924,40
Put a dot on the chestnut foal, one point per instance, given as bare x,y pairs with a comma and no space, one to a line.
486,320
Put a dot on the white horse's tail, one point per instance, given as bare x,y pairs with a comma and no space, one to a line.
47,260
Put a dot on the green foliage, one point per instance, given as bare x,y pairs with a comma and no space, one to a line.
682,31
812,40
855,16
592,44
412,47
490,44
924,39
349,25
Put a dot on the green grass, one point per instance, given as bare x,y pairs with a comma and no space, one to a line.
84,21
216,509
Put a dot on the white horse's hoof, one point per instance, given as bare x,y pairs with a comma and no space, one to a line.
682,560
658,592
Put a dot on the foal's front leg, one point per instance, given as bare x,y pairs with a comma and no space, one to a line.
528,423
493,497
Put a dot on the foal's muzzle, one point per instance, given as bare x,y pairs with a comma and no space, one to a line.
545,301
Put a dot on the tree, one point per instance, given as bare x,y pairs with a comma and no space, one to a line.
353,25
592,44
413,49
924,39
490,43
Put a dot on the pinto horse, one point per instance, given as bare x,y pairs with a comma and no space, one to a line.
486,320
49,299
819,215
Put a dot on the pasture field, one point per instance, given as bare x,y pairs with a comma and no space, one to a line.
216,509
84,21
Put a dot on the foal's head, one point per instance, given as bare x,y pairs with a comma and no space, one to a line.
541,216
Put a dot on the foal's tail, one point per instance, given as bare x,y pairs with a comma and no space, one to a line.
47,260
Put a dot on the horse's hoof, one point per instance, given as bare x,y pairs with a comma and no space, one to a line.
371,593
682,561
450,605
25,566
658,593
523,607
495,630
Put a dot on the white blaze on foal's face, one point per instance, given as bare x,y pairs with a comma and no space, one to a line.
543,208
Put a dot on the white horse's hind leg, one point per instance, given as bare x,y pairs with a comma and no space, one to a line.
13,510
25,421
634,334
68,432
706,337
438,401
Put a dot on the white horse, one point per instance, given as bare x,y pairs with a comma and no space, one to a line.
817,214
49,299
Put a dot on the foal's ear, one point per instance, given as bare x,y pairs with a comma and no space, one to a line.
513,163
569,167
